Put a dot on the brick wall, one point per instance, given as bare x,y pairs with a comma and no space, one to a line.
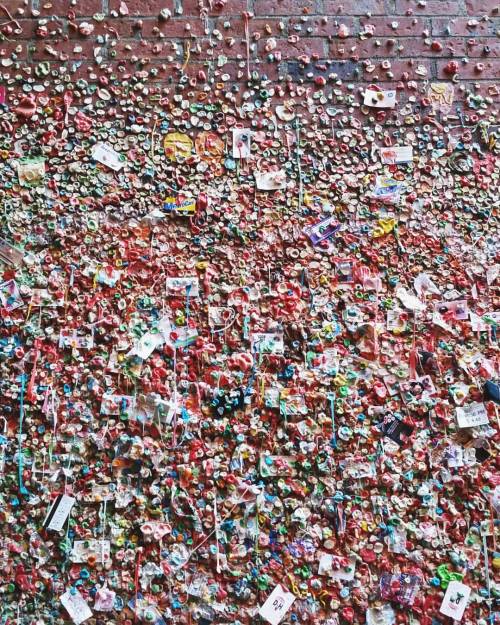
100,242
314,42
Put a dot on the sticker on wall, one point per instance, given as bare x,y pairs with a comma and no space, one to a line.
178,146
378,98
276,605
242,138
108,156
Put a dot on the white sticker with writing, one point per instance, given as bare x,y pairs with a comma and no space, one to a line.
84,549
380,99
455,600
76,606
276,605
472,415
396,154
106,155
59,512
241,142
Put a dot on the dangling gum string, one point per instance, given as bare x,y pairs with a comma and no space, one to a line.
241,500
67,99
11,19
136,582
113,31
413,352
204,18
246,17
376,346
4,446
30,396
216,526
332,412
104,512
188,292
153,132
299,169
22,489
187,50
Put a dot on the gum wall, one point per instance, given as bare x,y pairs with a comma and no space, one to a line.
248,312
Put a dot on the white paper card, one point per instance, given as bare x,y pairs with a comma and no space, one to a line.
394,155
457,309
241,142
146,345
104,600
276,605
495,498
472,416
380,99
267,342
455,456
183,286
83,549
106,155
383,615
455,600
59,512
331,565
396,319
409,301
76,606
481,324
270,180
492,274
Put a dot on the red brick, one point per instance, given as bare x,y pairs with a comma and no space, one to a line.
432,7
459,26
468,71
284,7
40,52
271,70
15,6
481,7
320,28
452,47
175,27
148,8
82,71
126,28
288,50
29,26
493,85
355,7
127,48
342,49
413,47
8,48
63,7
407,26
123,27
211,48
398,68
478,50
256,25
174,70
234,70
232,7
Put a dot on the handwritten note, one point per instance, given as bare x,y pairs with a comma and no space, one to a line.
455,600
277,605
472,415
59,512
76,606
